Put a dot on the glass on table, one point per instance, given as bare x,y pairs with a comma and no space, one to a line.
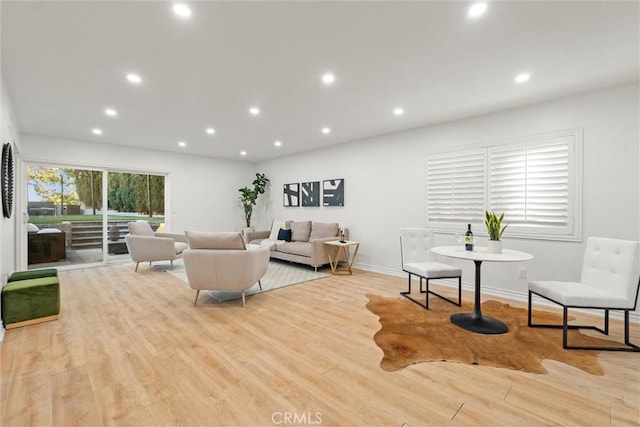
459,238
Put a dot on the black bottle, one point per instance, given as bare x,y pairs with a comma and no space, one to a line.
468,239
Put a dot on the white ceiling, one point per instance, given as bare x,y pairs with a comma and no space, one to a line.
65,62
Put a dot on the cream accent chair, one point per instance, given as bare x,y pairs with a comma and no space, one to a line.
146,245
220,261
610,280
417,259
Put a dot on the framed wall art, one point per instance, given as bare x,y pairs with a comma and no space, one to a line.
310,193
333,192
291,195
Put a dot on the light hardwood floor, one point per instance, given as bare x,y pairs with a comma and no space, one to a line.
130,349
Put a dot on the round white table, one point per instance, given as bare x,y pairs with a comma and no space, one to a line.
475,321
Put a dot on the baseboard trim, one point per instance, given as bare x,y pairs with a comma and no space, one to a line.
32,321
521,297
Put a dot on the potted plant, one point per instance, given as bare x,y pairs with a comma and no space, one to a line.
495,230
248,196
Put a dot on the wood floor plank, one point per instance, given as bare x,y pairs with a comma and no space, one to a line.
131,349
73,402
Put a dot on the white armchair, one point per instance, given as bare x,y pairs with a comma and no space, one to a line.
220,261
610,280
146,245
417,259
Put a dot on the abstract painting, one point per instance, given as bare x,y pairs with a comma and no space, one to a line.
310,193
291,195
333,192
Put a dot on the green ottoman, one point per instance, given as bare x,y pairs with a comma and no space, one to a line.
31,297
32,274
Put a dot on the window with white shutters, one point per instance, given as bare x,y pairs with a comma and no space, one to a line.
535,181
456,186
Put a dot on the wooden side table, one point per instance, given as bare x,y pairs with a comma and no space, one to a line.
340,252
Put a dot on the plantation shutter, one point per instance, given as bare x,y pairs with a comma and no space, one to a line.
456,186
530,183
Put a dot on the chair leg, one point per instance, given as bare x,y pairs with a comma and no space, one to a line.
260,284
196,300
243,301
426,292
137,264
172,264
565,328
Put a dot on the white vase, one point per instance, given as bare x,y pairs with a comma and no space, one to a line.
494,246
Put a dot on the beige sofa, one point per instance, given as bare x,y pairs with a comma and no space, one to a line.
307,241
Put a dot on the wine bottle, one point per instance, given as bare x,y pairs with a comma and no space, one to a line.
468,239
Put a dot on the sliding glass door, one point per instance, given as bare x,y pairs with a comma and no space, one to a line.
132,197
62,228
67,224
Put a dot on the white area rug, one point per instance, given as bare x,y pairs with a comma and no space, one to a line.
279,274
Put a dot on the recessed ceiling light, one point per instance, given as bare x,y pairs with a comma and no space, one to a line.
523,77
182,144
328,78
243,153
477,10
326,130
398,111
211,131
254,110
182,10
277,144
110,112
134,78
96,131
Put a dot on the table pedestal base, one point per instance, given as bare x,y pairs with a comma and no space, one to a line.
481,325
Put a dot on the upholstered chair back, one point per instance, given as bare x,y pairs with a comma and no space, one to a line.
211,240
613,265
140,228
416,244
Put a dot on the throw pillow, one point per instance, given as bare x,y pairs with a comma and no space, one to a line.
208,240
284,234
300,231
323,229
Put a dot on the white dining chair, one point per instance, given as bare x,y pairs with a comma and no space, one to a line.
610,280
417,259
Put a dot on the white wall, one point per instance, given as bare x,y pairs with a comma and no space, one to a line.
385,183
8,133
203,191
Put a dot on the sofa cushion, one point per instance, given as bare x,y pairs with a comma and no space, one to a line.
275,229
323,229
295,248
300,231
284,235
209,240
